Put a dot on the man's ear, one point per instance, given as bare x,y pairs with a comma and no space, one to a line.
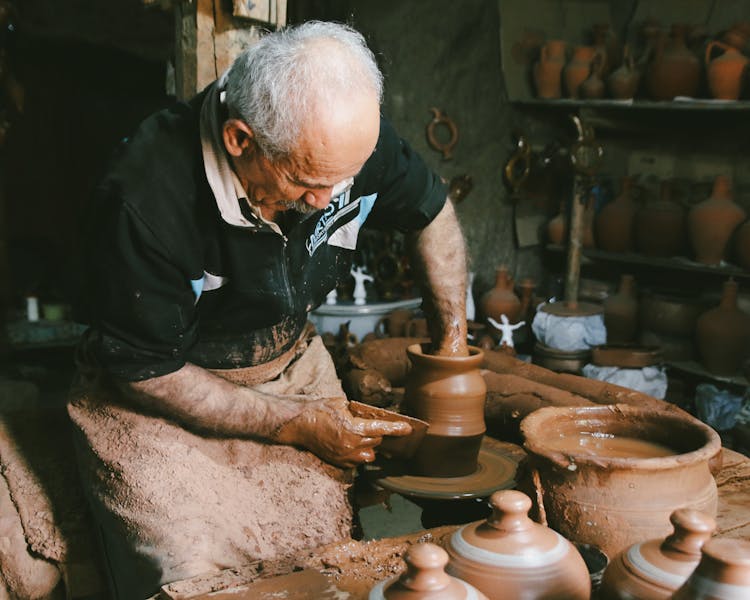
238,137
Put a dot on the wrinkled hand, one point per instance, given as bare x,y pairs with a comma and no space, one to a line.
327,429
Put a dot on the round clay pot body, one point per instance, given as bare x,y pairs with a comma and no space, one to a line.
723,334
613,225
425,579
722,574
669,314
578,70
501,300
611,499
510,556
557,228
621,313
712,222
674,70
725,72
623,82
742,244
548,71
448,392
655,569
660,226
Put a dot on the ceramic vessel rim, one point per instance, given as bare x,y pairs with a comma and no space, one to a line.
418,352
538,420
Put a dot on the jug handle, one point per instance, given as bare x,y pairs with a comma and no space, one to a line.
711,45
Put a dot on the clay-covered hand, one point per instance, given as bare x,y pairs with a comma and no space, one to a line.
327,429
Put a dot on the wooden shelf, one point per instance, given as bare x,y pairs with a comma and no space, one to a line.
698,104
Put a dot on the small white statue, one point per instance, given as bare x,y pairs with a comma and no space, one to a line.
331,297
506,329
360,293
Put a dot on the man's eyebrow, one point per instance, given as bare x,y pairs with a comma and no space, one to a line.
302,183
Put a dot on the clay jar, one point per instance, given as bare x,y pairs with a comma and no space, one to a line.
548,70
578,69
653,570
674,69
725,71
425,579
394,323
501,300
723,334
609,499
623,82
712,222
510,556
723,572
660,226
621,313
613,225
593,87
448,392
557,227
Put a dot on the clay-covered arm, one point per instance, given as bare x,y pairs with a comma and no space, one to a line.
439,257
201,400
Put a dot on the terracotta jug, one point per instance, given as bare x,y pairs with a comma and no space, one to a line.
557,228
742,245
578,70
723,334
653,570
601,470
548,70
621,313
448,392
660,226
722,574
527,299
725,72
712,222
394,323
593,87
674,69
738,35
510,556
613,225
425,579
623,82
606,44
501,300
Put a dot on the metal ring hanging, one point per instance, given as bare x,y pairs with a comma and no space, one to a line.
440,118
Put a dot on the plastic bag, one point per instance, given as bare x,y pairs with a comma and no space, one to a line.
649,380
716,407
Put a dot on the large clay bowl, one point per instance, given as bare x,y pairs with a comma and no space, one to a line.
613,502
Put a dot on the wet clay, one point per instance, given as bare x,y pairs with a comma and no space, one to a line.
608,445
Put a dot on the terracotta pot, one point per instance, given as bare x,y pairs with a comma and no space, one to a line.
653,570
674,69
670,314
501,300
548,71
613,225
557,227
723,572
738,35
527,299
417,328
425,579
723,334
593,87
623,82
712,222
578,70
597,470
725,72
606,44
510,556
621,313
561,361
448,392
394,323
660,226
742,244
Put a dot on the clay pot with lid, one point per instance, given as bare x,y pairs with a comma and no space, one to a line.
425,579
725,71
578,70
722,574
723,334
449,393
674,69
511,556
621,313
501,299
655,569
548,70
611,476
660,226
712,222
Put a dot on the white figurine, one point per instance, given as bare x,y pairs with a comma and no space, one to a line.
360,293
506,328
331,297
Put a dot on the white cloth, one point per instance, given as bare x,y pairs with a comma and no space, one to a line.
569,333
648,380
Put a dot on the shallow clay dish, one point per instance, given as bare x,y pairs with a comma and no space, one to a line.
626,356
393,446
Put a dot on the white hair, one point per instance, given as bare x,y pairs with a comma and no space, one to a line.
275,84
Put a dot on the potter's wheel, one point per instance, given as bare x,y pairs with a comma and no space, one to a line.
496,470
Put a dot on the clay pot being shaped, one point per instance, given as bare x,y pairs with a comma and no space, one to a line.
712,222
425,579
557,228
578,70
722,574
655,569
613,225
548,71
623,82
511,556
448,392
674,69
621,313
723,334
611,476
501,300
742,245
593,87
660,226
725,72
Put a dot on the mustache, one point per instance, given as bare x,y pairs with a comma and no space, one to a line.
298,206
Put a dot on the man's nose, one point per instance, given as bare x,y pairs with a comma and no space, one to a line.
318,198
